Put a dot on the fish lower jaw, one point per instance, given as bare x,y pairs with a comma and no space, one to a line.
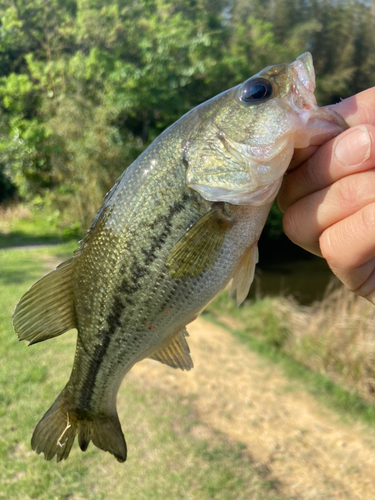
262,195
317,126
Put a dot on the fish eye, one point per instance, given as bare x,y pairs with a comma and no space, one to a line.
256,90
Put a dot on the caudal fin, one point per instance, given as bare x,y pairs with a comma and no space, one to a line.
55,433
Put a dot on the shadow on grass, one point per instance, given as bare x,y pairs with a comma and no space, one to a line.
18,267
21,239
11,276
20,255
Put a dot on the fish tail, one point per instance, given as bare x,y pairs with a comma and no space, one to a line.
55,433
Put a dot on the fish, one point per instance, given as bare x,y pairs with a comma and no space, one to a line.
179,225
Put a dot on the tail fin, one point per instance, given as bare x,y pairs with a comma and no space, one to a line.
55,433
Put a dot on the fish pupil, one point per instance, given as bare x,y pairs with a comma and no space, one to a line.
256,90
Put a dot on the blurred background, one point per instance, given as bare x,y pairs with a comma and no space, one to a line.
85,86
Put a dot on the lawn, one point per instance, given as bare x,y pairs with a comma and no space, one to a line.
166,459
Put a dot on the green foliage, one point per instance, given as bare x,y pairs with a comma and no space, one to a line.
86,85
7,188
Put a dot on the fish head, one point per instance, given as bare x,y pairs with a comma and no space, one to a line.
247,135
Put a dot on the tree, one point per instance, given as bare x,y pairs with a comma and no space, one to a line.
86,85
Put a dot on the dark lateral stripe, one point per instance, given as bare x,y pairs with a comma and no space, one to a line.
158,240
86,392
113,321
123,297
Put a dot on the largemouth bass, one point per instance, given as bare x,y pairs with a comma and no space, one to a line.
181,222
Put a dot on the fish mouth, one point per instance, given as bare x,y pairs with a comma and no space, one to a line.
303,82
321,124
317,126
262,195
303,68
250,172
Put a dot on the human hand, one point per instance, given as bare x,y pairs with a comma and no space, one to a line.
328,197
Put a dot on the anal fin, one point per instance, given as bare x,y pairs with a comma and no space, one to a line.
47,309
175,352
244,274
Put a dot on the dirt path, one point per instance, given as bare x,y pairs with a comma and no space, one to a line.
290,436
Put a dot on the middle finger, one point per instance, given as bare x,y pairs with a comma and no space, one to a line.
309,217
350,152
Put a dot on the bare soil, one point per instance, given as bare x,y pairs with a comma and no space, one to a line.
291,437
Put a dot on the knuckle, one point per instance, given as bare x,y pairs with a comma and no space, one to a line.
367,218
348,191
345,243
329,247
354,191
312,175
370,100
291,224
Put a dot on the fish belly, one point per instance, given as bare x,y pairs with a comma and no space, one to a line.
146,307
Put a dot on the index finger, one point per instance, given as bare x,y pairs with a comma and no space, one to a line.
323,167
356,110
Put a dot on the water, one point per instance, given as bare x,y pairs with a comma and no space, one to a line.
305,280
285,269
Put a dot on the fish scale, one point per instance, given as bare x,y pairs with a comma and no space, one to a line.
139,261
179,224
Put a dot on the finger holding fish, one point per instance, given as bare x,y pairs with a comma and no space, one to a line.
306,219
356,110
329,203
347,154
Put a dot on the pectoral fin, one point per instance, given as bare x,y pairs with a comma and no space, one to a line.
47,308
175,352
244,274
196,251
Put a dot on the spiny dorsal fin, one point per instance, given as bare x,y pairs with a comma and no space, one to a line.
47,308
244,274
196,251
175,352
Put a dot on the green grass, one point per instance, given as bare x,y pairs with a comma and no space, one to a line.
166,458
20,226
265,332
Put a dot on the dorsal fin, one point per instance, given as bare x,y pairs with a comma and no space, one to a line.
244,274
175,352
47,308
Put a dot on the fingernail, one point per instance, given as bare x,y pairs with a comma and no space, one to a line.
354,147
